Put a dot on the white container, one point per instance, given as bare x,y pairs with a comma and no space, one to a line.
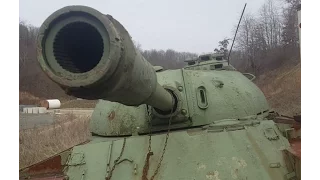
51,104
42,110
29,110
35,110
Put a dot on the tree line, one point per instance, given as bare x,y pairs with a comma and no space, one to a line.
264,41
269,38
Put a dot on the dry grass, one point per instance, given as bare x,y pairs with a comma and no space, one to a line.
73,103
37,144
66,102
27,98
282,87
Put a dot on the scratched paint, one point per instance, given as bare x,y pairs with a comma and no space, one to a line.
202,167
111,115
213,175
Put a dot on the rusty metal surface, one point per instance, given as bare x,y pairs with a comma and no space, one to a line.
51,168
295,147
294,134
48,169
52,165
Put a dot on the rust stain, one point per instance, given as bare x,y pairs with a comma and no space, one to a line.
44,103
48,169
52,165
111,115
146,166
295,147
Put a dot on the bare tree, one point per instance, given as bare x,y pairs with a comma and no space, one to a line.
137,46
223,47
271,22
269,39
31,77
290,25
168,59
246,42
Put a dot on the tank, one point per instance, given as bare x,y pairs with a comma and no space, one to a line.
151,123
212,61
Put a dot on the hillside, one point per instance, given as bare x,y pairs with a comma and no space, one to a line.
282,87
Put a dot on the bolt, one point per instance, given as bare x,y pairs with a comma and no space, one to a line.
135,168
180,88
183,111
136,132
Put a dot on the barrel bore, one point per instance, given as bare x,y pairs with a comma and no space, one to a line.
78,47
91,56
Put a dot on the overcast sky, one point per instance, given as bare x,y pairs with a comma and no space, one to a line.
182,25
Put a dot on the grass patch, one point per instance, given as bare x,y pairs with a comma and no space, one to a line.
29,99
74,103
282,88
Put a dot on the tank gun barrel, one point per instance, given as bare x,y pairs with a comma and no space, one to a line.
91,56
